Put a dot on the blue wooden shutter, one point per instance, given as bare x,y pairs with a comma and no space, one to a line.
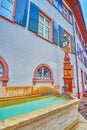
60,5
55,2
61,36
21,12
73,44
70,16
6,8
55,32
34,18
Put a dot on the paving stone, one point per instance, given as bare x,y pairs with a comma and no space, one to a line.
83,107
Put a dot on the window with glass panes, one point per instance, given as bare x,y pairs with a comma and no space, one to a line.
1,70
65,13
43,73
44,27
6,8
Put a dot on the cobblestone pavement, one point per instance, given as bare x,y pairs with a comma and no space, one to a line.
83,107
82,125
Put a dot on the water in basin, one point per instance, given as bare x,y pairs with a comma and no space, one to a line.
27,107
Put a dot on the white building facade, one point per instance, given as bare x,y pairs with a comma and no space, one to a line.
35,35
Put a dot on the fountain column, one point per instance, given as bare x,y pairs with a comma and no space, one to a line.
68,76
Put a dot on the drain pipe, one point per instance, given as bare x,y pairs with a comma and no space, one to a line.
77,74
76,64
76,59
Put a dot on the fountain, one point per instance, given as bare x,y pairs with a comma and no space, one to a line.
37,107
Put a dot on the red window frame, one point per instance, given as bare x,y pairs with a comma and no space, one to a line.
51,80
50,1
67,18
4,78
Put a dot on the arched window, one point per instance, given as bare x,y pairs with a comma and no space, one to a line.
43,74
3,72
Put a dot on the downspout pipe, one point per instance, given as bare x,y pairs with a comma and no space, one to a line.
76,62
77,73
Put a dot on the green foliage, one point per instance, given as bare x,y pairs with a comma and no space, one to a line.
65,86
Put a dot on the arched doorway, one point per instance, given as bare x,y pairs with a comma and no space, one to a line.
43,75
3,72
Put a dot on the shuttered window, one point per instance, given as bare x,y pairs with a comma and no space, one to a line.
58,4
55,2
6,8
65,13
34,18
39,22
21,12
